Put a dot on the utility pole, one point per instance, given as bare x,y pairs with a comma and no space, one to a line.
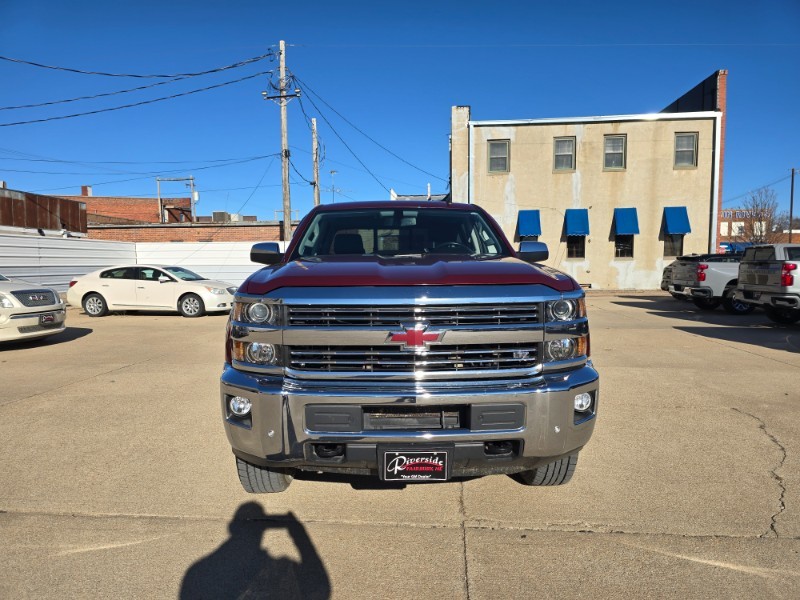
315,156
333,188
190,179
791,206
287,201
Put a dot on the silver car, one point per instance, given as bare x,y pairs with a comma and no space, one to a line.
29,311
149,288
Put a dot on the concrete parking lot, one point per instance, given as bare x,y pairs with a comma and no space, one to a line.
117,481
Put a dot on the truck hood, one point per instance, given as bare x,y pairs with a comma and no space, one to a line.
404,271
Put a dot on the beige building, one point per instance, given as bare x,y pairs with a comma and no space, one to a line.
615,198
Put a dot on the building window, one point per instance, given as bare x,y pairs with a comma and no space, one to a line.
576,246
614,152
623,246
498,156
673,244
564,152
685,150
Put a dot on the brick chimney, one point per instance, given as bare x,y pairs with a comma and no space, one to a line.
86,190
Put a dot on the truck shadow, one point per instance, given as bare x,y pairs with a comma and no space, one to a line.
754,329
242,568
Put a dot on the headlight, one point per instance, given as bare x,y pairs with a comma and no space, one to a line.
5,302
255,352
566,309
217,291
258,312
565,348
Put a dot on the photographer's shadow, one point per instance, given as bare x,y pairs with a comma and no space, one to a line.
242,568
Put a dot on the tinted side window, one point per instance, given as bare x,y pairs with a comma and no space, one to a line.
793,253
121,273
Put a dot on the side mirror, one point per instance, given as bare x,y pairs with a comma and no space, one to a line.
164,279
266,253
533,252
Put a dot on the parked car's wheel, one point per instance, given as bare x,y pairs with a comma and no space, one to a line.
706,303
557,472
191,305
784,316
736,307
261,480
95,305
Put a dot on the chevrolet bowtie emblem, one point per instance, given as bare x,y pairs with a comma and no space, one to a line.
415,337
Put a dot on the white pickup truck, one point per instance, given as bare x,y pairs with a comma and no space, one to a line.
709,280
769,277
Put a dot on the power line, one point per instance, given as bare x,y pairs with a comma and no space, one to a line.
236,65
104,95
361,162
143,102
400,158
755,189
38,158
201,168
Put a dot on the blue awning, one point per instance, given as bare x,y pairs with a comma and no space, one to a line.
676,220
576,221
626,221
528,223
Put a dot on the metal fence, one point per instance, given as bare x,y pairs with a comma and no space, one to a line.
53,262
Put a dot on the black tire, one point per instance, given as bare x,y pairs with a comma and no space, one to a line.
706,303
95,305
736,307
784,316
191,306
261,480
557,472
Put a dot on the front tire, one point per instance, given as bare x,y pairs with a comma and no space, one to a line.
261,480
95,305
191,306
557,472
706,303
784,316
736,307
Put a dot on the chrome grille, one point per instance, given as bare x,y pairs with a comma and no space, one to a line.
35,297
393,316
439,359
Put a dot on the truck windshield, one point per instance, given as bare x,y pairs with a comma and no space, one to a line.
398,232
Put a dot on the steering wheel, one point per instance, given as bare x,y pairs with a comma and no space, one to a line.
453,248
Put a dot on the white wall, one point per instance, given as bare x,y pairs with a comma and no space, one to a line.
53,262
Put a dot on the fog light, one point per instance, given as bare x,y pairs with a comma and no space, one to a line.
561,349
240,406
583,402
260,353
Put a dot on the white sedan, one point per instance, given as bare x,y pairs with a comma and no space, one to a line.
29,311
151,288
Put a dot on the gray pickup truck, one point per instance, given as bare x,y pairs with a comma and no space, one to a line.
407,341
769,277
709,280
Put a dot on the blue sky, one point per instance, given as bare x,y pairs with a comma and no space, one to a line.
392,69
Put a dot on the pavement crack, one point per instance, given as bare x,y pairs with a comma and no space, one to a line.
773,529
463,514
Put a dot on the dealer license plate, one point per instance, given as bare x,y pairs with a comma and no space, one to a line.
415,465
46,319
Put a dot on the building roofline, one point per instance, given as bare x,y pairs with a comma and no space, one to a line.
600,119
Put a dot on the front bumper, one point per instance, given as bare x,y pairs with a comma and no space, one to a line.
284,428
28,323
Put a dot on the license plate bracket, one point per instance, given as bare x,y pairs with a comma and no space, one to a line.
47,319
415,464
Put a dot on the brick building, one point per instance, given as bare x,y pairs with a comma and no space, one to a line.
28,213
260,231
127,209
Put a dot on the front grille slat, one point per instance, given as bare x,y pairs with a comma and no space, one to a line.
394,316
487,357
30,298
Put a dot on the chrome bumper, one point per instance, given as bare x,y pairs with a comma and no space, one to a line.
277,432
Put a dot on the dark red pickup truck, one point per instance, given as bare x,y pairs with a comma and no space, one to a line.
408,341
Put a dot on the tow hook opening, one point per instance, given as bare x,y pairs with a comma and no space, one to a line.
329,450
502,448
